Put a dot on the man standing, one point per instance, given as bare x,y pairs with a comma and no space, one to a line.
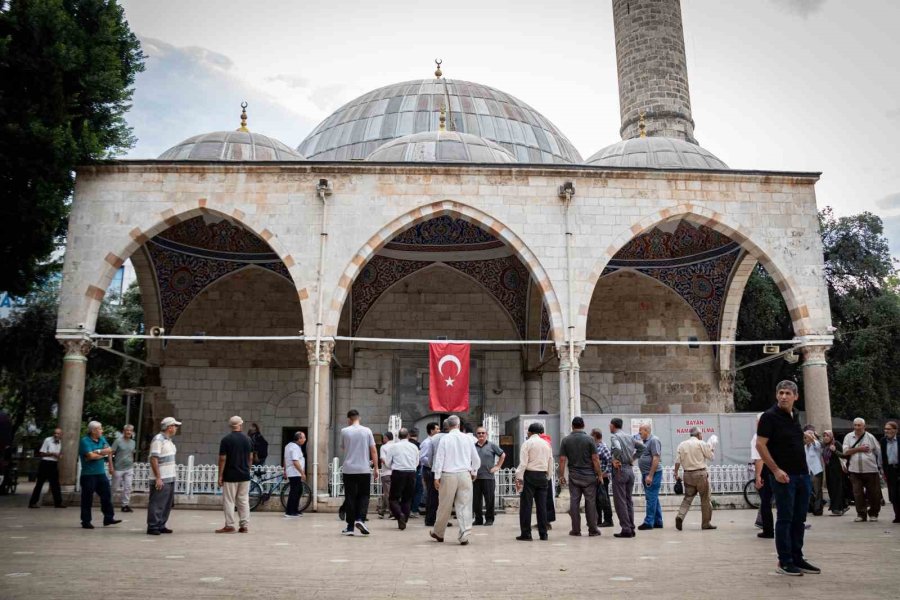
387,440
891,460
235,458
491,457
162,490
295,471
433,499
578,452
402,458
692,454
764,518
123,466
424,463
652,477
863,454
623,448
604,508
94,451
358,445
533,477
260,445
48,470
455,464
779,441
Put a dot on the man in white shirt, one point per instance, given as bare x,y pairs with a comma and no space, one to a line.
813,448
295,471
455,464
402,458
864,463
693,454
384,500
533,477
48,470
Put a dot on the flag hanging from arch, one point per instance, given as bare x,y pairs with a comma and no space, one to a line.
448,389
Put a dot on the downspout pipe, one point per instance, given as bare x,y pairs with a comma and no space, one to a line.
323,188
566,193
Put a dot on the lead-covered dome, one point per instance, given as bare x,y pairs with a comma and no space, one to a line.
441,146
231,145
355,130
656,153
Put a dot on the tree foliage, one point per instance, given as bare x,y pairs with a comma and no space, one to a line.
66,73
864,362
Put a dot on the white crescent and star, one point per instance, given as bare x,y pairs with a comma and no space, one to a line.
445,359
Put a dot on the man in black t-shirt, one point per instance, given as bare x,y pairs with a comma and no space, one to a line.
779,441
235,458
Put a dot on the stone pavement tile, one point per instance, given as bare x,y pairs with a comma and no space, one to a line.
45,554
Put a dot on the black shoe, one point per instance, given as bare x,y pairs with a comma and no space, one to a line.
165,530
87,526
788,570
152,532
342,514
766,536
59,506
401,523
678,522
33,506
489,523
897,520
622,534
605,524
127,509
645,527
657,527
805,567
544,538
478,523
593,533
111,522
524,538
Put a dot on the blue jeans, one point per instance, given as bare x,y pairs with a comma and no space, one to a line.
651,495
420,491
99,484
791,503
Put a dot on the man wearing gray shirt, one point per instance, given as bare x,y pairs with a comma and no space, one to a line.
358,445
652,478
123,466
623,448
578,452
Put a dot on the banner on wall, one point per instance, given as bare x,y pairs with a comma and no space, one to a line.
448,389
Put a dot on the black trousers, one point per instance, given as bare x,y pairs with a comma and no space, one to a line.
99,484
296,490
892,472
483,490
48,470
356,494
604,506
834,481
403,488
535,488
431,502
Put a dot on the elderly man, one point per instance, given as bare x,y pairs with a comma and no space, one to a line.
578,452
652,477
491,457
692,454
623,448
779,441
890,459
295,471
402,458
863,454
235,458
48,470
533,476
604,508
123,466
162,489
455,465
94,452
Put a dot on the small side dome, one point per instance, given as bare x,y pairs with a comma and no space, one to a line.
441,146
655,153
231,145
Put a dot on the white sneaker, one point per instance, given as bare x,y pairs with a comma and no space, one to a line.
873,519
349,532
362,528
286,516
859,520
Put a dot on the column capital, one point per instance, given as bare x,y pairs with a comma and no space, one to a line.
814,355
562,351
726,381
76,349
326,349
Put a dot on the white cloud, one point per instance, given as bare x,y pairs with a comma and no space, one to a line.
294,81
802,8
889,202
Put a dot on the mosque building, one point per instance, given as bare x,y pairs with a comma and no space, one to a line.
444,209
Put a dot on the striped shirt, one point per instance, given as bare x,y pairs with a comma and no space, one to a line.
164,450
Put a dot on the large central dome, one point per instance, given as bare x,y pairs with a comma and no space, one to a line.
362,125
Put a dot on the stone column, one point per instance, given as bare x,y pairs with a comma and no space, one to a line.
343,377
71,404
532,392
815,387
569,405
319,436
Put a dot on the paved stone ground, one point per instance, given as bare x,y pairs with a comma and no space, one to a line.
45,554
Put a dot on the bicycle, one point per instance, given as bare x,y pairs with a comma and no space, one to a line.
262,489
751,494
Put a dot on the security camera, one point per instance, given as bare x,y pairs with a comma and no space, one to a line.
157,331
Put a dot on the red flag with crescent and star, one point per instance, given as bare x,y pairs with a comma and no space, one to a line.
448,389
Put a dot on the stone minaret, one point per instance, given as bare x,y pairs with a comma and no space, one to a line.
652,69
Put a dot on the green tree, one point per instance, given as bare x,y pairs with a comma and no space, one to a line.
67,68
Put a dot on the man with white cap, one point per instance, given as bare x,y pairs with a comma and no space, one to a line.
692,454
162,489
235,458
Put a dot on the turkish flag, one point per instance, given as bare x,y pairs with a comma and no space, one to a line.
448,390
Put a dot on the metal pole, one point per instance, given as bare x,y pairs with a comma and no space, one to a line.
568,191
323,190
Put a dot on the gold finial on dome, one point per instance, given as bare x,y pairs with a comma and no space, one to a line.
443,118
642,125
243,126
437,71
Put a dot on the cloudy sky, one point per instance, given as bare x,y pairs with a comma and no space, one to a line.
809,85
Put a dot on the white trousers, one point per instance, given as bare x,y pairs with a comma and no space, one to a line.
122,481
236,494
455,493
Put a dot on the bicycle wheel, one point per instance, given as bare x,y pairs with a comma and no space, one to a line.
751,494
256,495
285,492
306,497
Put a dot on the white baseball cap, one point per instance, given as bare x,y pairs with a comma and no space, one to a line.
168,422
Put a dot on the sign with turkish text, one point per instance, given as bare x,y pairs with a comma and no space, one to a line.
448,389
683,426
